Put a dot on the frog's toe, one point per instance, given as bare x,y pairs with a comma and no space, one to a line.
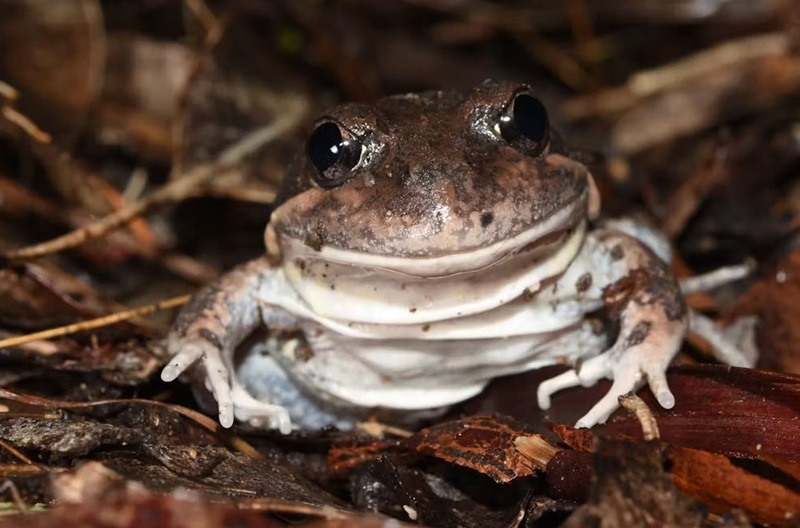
657,380
626,379
183,358
218,382
601,411
260,413
549,387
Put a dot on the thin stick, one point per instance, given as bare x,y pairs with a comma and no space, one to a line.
91,324
26,124
176,190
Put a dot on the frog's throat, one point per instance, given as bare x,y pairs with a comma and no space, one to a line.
328,292
567,219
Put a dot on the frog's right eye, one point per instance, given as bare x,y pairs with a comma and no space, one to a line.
334,151
524,124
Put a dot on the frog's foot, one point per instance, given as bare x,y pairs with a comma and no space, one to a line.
629,369
652,323
259,413
185,352
233,400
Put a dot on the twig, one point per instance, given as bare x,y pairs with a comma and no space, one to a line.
649,82
8,91
204,14
25,124
91,324
174,191
693,192
15,452
642,412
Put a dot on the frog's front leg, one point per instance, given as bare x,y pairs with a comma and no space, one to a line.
210,327
645,299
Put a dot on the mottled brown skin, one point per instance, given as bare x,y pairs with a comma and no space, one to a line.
435,171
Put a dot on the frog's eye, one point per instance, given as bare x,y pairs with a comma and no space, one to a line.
334,151
524,124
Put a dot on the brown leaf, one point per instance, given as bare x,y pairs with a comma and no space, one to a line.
483,443
733,411
714,480
64,437
95,496
577,439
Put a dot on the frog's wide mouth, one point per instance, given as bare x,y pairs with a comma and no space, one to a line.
539,241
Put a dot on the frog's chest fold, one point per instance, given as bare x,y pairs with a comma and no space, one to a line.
433,362
349,293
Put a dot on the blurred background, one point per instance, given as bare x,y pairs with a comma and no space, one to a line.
142,143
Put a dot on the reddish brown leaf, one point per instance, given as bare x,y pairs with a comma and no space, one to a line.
737,412
714,480
577,439
483,443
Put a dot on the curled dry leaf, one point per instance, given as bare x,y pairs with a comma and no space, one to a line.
33,296
483,443
145,80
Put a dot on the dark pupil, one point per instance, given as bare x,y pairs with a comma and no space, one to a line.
530,117
325,146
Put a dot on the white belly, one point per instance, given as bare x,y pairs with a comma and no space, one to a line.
367,347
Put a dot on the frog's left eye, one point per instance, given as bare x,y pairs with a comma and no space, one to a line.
524,124
334,151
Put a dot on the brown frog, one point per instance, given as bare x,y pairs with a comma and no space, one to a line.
421,247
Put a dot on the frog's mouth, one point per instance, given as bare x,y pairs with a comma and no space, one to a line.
333,284
536,243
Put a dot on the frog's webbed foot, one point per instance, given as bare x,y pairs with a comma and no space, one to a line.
629,365
186,352
233,400
209,329
652,323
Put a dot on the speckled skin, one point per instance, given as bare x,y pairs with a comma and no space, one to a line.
435,179
448,257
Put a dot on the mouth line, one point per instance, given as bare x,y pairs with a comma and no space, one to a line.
536,243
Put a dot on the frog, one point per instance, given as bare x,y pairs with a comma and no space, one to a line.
420,247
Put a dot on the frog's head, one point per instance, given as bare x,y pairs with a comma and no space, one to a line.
432,183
